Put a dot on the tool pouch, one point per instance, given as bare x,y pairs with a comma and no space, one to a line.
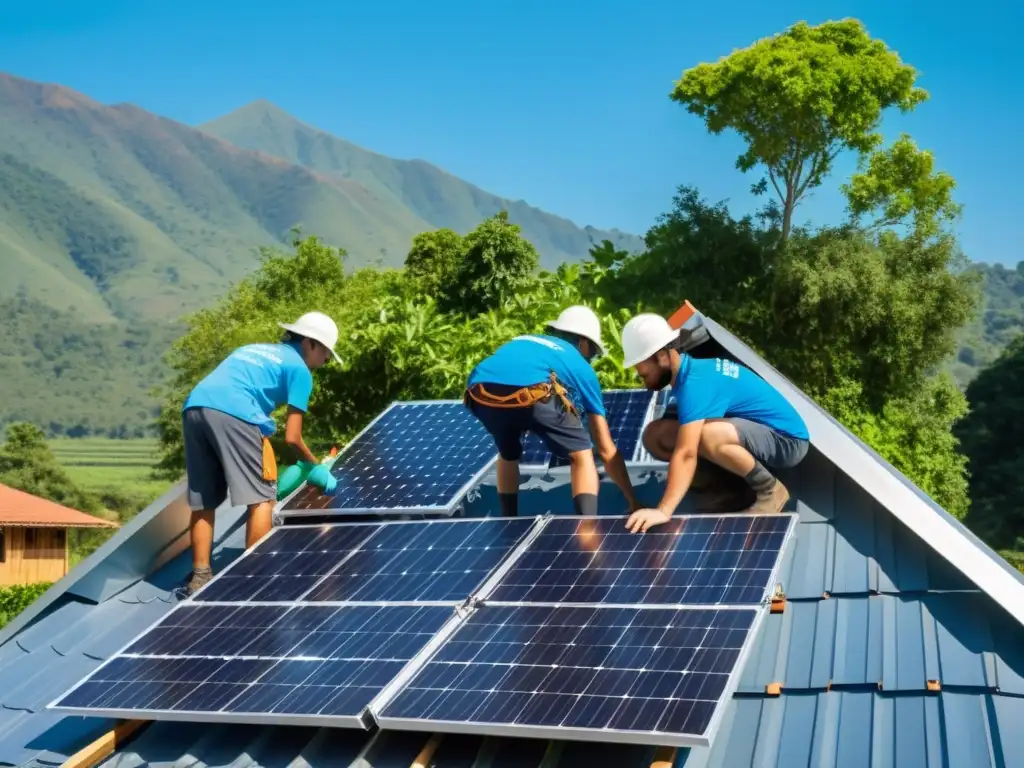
269,462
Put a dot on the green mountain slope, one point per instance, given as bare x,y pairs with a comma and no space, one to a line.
114,222
432,194
1000,320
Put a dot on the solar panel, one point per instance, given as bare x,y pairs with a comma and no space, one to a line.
424,561
396,561
627,411
695,560
414,457
252,663
286,564
615,674
535,453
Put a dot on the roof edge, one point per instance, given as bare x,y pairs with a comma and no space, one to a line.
946,535
162,523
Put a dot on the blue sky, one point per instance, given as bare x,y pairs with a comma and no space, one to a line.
563,104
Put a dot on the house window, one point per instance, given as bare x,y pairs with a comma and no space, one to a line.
3,547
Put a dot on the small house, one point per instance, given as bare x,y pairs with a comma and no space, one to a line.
34,537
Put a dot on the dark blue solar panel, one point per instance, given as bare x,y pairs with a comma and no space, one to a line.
695,560
535,453
625,411
639,670
316,661
424,561
286,564
415,456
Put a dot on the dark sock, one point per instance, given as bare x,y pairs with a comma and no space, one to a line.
760,479
585,503
509,504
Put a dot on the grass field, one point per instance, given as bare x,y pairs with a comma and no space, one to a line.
98,464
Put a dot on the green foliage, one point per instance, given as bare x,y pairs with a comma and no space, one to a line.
900,182
1014,558
28,464
991,439
800,98
18,597
913,433
434,261
496,264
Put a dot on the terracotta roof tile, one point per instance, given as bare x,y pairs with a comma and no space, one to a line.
18,508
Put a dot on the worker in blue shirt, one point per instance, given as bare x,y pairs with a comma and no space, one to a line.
544,384
727,414
226,424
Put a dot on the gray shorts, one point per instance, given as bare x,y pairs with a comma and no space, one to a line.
773,449
223,454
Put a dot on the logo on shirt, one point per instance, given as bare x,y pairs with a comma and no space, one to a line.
538,340
727,368
253,352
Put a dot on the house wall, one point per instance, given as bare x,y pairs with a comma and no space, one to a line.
32,555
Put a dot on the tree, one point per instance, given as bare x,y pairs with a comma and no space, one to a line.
994,445
28,464
434,261
498,261
800,98
899,183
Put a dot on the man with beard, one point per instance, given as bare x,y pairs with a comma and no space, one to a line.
727,415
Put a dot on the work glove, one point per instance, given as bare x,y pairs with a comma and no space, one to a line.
321,477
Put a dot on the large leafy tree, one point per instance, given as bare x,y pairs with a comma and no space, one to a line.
800,98
993,440
498,262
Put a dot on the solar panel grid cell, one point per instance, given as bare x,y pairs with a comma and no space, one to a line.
617,669
415,456
306,661
693,560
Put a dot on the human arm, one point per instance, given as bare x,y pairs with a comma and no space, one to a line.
612,459
293,435
681,468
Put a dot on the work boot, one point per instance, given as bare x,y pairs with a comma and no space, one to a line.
722,500
200,576
770,502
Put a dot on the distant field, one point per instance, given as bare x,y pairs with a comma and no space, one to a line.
98,463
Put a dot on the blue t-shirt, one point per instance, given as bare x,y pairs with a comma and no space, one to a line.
253,381
715,388
527,360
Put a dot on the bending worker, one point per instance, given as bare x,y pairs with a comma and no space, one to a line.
545,384
727,414
226,423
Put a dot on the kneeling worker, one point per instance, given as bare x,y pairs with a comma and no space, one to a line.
544,384
727,414
226,422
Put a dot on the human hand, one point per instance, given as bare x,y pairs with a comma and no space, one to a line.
643,519
321,476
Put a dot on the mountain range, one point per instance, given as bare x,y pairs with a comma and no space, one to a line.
114,222
123,213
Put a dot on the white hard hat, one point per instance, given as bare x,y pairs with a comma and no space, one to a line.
582,321
316,326
644,335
